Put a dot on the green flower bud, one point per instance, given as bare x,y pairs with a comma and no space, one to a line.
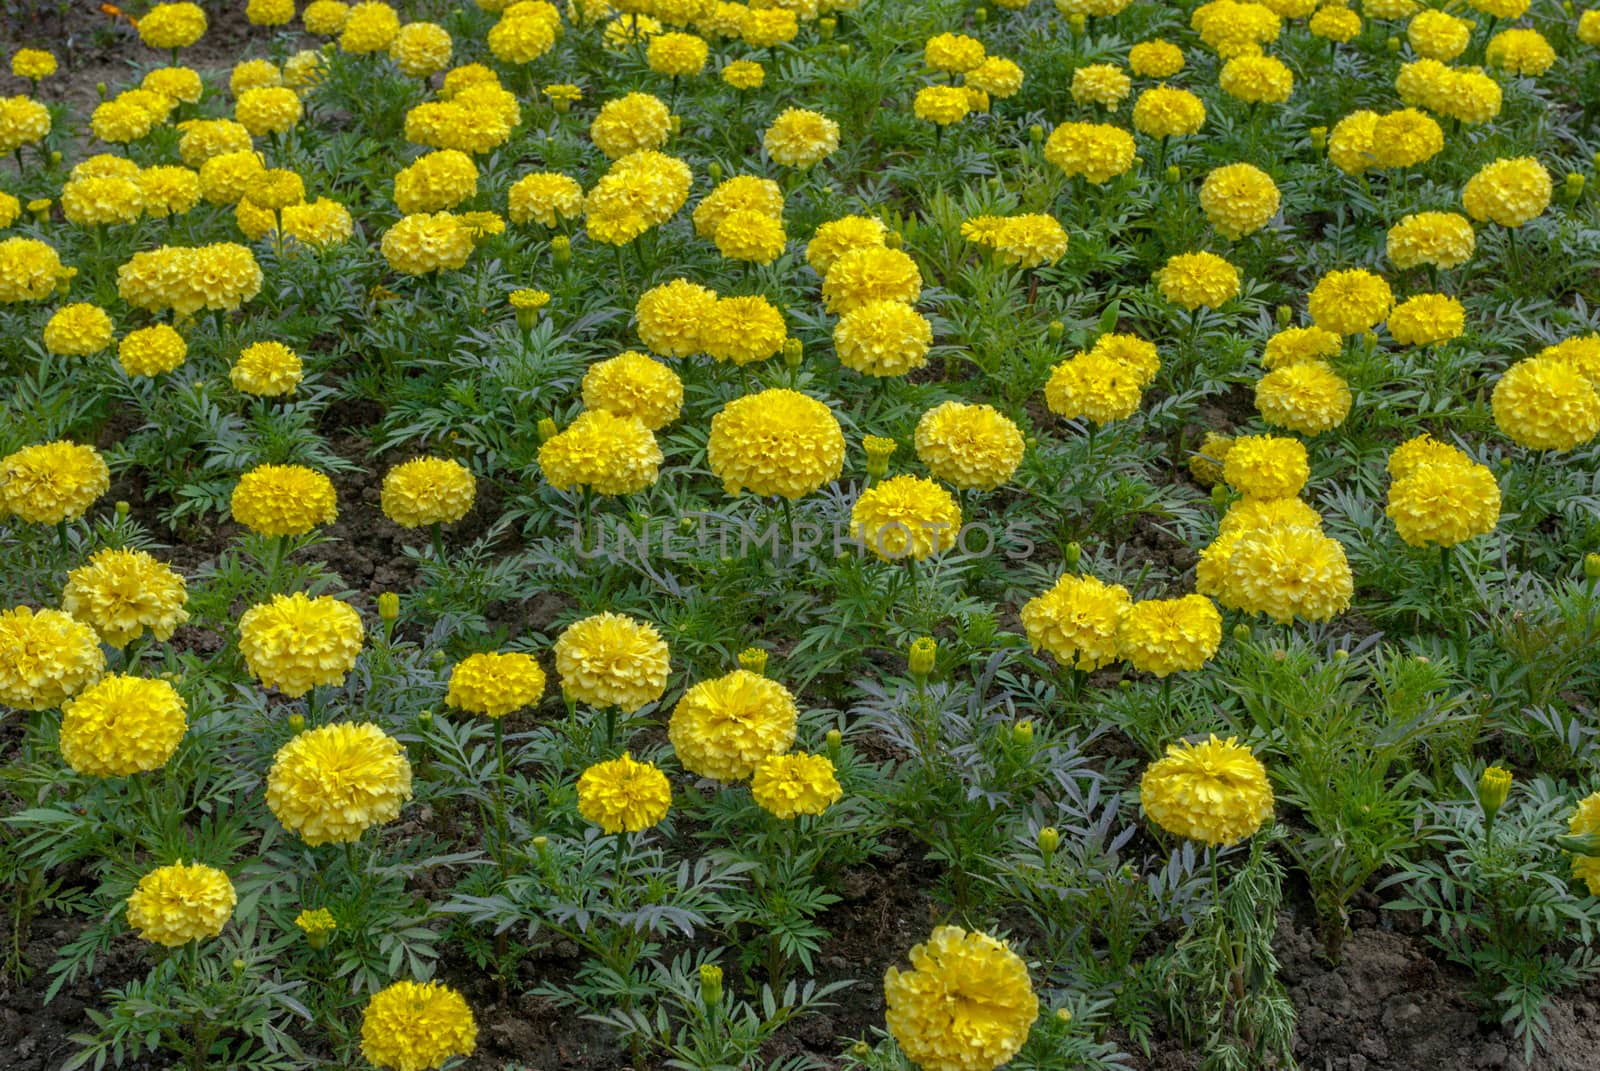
1493,788
1285,315
1036,134
1049,840
297,723
922,655
1022,733
547,430
1073,555
827,26
561,250
1056,330
753,660
794,352
711,984
1591,566
1319,138
714,171
1241,632
388,606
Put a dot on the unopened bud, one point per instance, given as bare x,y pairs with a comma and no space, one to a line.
1073,554
981,16
1049,840
794,352
753,660
1064,1015
1077,22
1319,138
1022,733
547,430
1241,632
424,720
1574,185
388,606
843,48
879,450
894,240
860,1050
675,124
297,723
1341,655
1591,566
100,88
1285,315
834,744
541,845
1036,134
714,171
1219,496
1174,174
923,653
238,966
711,984
827,26
561,250
1056,331
122,509
1493,788
1392,44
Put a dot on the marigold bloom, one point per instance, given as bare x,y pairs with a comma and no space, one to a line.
883,338
999,77
369,27
1077,621
1287,572
1520,51
870,273
1300,345
1164,112
677,55
421,49
266,369
1094,150
1155,59
423,243
800,138
969,446
45,657
121,726
172,25
332,783
33,64
613,455
623,795
496,683
752,235
723,728
1350,142
744,74
428,490
1104,84
52,482
1585,821
776,442
953,53
787,786
1164,636
941,105
1238,199
1426,320
1442,504
1309,397
1335,23
967,1003
631,123
23,121
612,660
1438,35
1205,464
1215,791
325,18
77,330
1193,280
1442,239
294,643
906,517
1257,79
417,1026
1266,466
1509,192
173,905
121,593
672,317
545,197
1546,405
1406,138
1095,387
1350,302
283,500
435,181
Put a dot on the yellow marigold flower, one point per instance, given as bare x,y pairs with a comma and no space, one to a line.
254,74
319,224
23,121
1426,320
169,191
1410,456
421,49
633,385
1164,112
1163,636
624,796
428,490
203,139
642,190
1437,35
416,1026
150,351
52,482
1155,59
766,27
521,39
1589,31
317,924
787,786
268,110
1104,84
883,338
941,105
953,53
495,684
1406,138
1309,397
1257,79
999,77
744,74
966,1004
752,235
423,243
612,660
672,317
269,12
1256,514
1030,241
630,123
613,455
120,593
471,74
742,192
1094,150
906,517
777,442
227,177
1266,466
121,726
369,27
1442,504
1196,279
547,197
172,25
870,273
283,500
325,18
1205,464
1077,621
97,201
173,905
1132,352
840,236
332,783
799,138
1546,405
969,446
435,181
266,369
276,189
1443,239
294,643
79,330
1287,572
677,55
1509,192
1300,345
11,208
45,657
1581,353
1350,302
1350,142
1520,51
1585,821
33,64
1334,23
456,124
119,121
622,32
723,728
1238,199
1235,29
29,270
1215,791
1093,386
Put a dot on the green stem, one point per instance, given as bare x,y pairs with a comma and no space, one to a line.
502,834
